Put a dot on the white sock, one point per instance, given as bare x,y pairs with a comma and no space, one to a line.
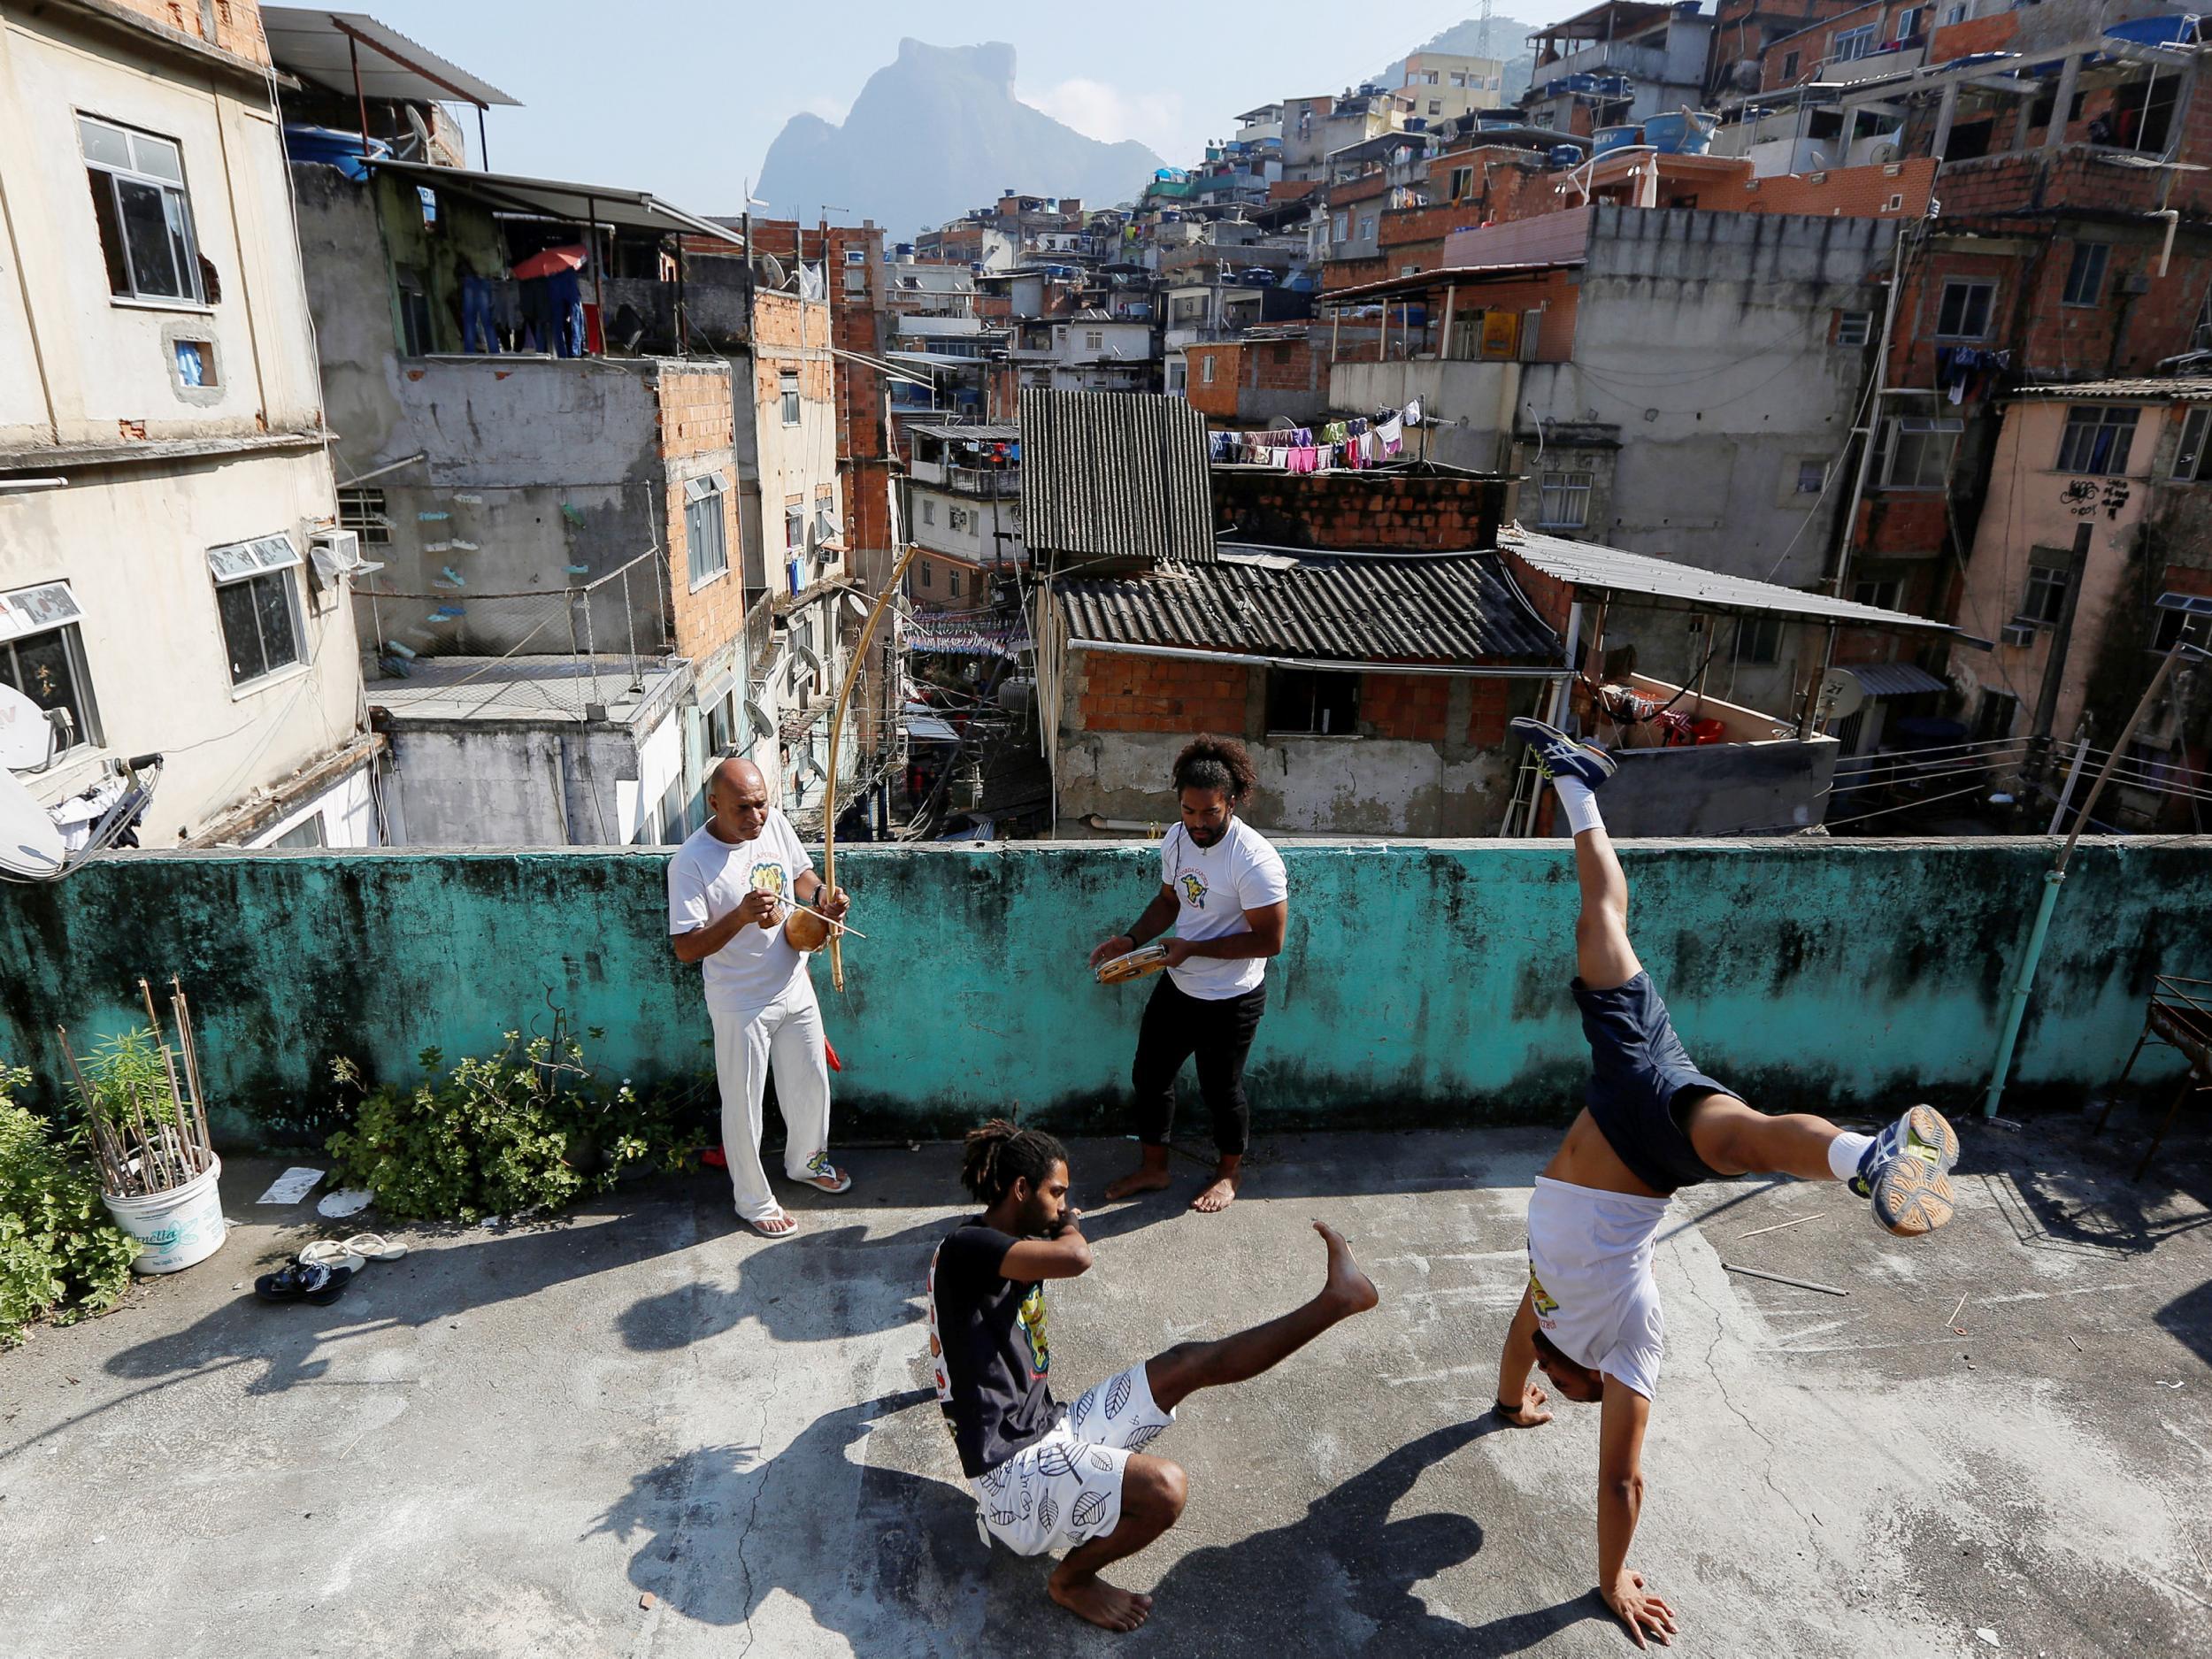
1844,1152
1581,803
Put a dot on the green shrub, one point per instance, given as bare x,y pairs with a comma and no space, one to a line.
60,1256
533,1128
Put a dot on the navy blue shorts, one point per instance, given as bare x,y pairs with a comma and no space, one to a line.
1642,1084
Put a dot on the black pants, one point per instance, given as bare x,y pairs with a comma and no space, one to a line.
1178,1025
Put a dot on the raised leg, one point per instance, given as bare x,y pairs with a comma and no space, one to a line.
1604,957
1153,1493
1737,1141
1189,1366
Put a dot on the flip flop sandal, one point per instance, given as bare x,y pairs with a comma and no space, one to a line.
303,1281
765,1228
330,1253
826,1177
375,1247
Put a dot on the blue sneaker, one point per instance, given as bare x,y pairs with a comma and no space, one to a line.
1559,755
1906,1174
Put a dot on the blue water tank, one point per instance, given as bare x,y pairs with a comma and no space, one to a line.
1565,156
1610,138
1681,134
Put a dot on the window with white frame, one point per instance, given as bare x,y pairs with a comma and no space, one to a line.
1854,328
856,256
362,512
787,384
1366,227
1851,44
2084,273
257,597
1565,504
2097,439
1093,339
1812,476
1340,227
1964,312
42,655
1919,451
1911,21
1955,13
144,214
794,530
1206,369
2193,460
1462,183
706,535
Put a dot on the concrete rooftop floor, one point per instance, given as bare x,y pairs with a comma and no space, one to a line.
500,1444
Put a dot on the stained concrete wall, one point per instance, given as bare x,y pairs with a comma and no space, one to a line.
1422,982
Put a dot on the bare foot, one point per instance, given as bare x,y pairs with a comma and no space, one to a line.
1347,1286
1099,1601
1143,1180
1218,1195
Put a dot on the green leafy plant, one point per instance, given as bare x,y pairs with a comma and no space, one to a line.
532,1127
61,1258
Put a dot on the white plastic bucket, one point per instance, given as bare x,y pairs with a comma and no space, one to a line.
178,1227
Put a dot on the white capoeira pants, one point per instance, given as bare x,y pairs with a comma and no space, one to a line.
787,1036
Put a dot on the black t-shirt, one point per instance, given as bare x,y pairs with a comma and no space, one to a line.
988,1347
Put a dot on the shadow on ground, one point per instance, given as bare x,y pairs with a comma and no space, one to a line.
928,1558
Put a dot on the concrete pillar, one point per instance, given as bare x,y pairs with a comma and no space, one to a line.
1945,115
2068,77
2024,125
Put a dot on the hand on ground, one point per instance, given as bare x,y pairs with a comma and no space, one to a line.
1644,1613
1530,1414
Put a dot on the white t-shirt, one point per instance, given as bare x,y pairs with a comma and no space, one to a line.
1213,886
707,878
1589,1277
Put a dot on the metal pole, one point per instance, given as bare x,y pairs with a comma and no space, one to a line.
2023,981
1866,442
2066,793
483,145
361,102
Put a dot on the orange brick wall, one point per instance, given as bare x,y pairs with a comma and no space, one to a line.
237,23
1358,511
1488,716
1976,34
1416,707
1161,694
1217,398
697,420
1845,192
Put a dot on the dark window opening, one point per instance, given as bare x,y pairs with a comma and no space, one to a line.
1311,700
49,669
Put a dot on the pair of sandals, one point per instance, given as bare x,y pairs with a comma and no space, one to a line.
322,1270
823,1176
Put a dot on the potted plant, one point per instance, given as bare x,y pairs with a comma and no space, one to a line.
147,1121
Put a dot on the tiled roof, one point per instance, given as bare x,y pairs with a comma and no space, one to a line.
2195,388
1453,608
1114,475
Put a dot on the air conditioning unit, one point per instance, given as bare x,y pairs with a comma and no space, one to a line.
338,553
2017,634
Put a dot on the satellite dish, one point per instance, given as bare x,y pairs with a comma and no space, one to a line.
771,269
1841,695
1282,423
25,734
1882,154
30,846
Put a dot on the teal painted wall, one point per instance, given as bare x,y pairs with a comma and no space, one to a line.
1424,982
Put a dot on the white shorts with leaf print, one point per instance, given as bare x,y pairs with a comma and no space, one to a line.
1065,1489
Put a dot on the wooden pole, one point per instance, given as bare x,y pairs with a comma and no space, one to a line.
837,727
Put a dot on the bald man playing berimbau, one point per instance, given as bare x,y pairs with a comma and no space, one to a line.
732,887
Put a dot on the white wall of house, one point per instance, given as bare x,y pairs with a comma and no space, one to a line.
160,471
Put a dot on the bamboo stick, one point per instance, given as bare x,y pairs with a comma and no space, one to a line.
116,1185
183,1009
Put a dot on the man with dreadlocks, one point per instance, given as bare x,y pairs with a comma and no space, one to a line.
1050,1477
1222,889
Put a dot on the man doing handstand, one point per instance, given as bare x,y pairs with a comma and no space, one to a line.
1590,1318
1051,1477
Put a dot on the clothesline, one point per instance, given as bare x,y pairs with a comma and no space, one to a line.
1352,444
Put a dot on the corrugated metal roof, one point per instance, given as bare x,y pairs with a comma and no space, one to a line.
1115,475
1455,608
2194,389
1613,570
1893,679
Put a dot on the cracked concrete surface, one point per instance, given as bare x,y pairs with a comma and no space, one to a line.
501,1444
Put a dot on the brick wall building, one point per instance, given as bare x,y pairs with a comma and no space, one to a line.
697,438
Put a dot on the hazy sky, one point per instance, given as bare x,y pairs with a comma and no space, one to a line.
683,97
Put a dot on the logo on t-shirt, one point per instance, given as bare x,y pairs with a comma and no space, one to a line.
1031,1316
1193,886
1538,1294
768,879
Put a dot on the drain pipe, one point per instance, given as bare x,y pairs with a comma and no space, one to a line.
2024,979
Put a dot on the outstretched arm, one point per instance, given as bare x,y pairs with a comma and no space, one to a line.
1514,1366
1066,1254
1263,938
1620,1501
